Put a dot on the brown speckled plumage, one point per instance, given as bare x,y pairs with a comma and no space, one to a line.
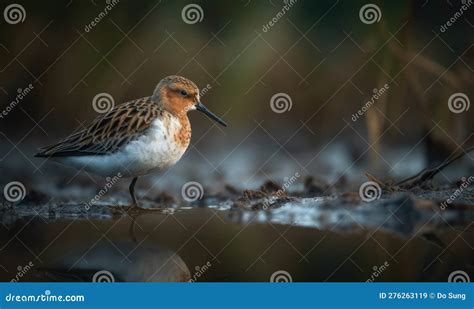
135,138
108,132
183,136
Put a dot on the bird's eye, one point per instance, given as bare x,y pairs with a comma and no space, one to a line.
183,93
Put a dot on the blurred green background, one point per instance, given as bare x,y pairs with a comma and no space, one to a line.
320,53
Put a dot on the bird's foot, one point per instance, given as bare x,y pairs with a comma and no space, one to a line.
136,208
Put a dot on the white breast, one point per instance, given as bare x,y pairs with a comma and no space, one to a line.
157,149
152,152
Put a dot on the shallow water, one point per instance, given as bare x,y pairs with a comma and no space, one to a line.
397,238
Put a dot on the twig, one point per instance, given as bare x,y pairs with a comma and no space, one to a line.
428,174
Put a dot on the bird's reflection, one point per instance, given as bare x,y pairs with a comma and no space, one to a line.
118,262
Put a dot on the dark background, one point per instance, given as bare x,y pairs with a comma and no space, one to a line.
329,72
319,53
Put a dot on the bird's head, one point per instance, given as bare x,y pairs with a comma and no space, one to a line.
179,95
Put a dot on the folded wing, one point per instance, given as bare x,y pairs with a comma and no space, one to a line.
108,132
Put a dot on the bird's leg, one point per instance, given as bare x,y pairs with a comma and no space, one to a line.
131,230
135,205
132,193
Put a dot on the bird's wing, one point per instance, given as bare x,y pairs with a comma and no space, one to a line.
108,132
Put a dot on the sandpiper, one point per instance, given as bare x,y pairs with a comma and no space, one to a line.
135,138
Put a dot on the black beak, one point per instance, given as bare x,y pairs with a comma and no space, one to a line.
200,107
